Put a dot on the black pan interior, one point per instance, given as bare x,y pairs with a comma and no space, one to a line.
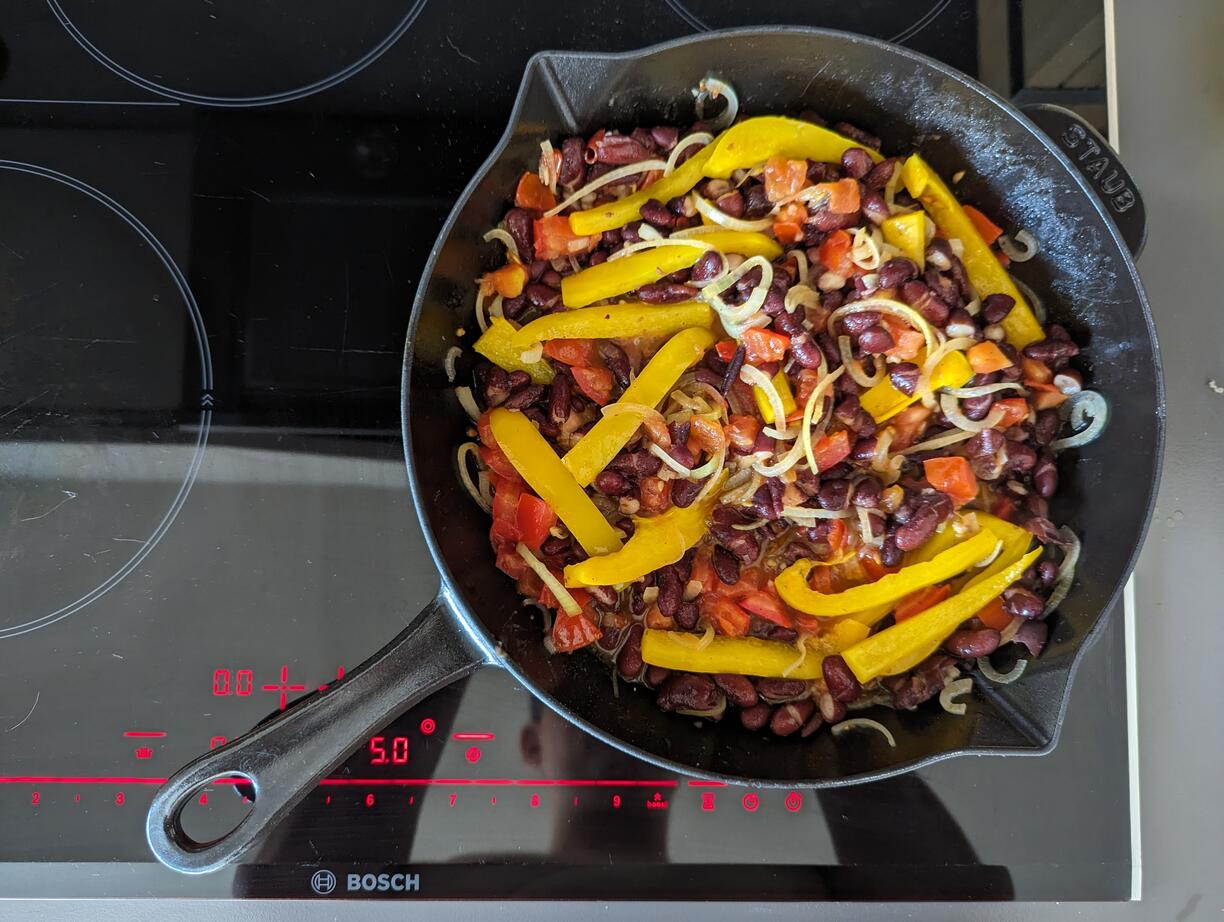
1082,275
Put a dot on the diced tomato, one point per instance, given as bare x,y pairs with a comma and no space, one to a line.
825,580
834,253
728,618
496,461
836,537
506,500
993,615
873,570
907,342
808,379
657,621
766,606
703,572
508,281
1015,411
907,426
726,349
793,213
533,194
921,600
987,228
582,352
986,357
573,632
952,476
486,430
1046,396
832,449
765,346
504,533
1002,506
655,494
595,382
1035,372
787,232
784,177
555,238
534,518
510,563
742,432
843,195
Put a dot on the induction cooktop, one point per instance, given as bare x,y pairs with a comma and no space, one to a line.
213,218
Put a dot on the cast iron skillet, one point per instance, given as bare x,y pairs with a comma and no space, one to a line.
1059,180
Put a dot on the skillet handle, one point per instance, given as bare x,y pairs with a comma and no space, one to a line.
284,758
1099,165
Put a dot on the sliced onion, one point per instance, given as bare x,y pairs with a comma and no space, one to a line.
1008,634
740,491
721,218
940,441
1001,678
669,461
783,464
1021,248
468,402
465,450
951,409
864,251
560,593
607,179
715,463
448,362
547,169
960,393
697,137
1066,570
929,364
780,435
752,375
896,309
1034,302
863,723
534,354
502,236
990,558
659,242
866,532
801,263
712,482
809,410
712,88
801,295
649,232
807,513
855,367
741,312
693,641
1085,407
803,653
482,321
955,690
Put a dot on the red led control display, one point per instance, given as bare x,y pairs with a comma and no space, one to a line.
388,751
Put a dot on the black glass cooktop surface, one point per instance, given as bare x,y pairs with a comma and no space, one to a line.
213,218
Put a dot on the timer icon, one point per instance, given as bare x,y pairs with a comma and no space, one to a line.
751,802
794,800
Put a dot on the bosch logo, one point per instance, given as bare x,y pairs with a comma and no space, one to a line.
323,882
396,883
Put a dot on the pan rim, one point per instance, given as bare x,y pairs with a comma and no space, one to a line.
538,63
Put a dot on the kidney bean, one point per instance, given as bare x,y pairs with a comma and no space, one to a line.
824,221
767,630
904,377
618,150
665,137
805,351
876,340
789,718
671,591
880,174
856,163
778,690
726,566
733,368
524,397
1051,351
834,495
819,171
495,387
541,295
1047,572
665,293
517,379
867,494
1020,457
918,530
685,491
708,376
706,267
655,214
840,681
767,500
559,399
971,644
688,692
788,322
572,163
687,615
604,595
941,503
519,225
610,483
831,709
654,676
857,134
914,690
997,306
977,408
1033,636
874,208
1045,477
922,298
864,450
1022,603
537,269
616,360
738,689
731,203
890,554
554,546
756,716
636,464
942,287
631,232
860,323
756,203
897,271
629,660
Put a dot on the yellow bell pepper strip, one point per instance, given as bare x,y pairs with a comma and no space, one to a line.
907,232
792,584
883,401
985,272
497,345
657,541
608,436
905,645
1016,543
938,543
755,140
748,655
617,276
782,386
620,212
614,320
539,465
